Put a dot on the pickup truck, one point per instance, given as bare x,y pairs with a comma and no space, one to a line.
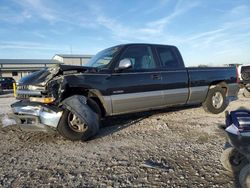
122,79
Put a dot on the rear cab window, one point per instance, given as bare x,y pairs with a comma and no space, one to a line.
168,57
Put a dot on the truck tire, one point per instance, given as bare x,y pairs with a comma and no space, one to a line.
246,93
215,102
232,160
94,106
244,176
245,76
78,121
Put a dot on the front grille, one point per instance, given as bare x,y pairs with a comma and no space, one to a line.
22,97
22,87
23,92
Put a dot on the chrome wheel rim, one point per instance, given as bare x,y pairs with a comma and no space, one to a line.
76,124
217,100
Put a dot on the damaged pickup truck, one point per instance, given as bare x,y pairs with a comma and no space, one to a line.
122,79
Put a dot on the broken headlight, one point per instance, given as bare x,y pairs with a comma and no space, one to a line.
36,88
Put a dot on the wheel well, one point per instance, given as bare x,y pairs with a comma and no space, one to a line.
222,84
70,91
99,103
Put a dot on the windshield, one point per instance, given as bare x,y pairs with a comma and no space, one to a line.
103,58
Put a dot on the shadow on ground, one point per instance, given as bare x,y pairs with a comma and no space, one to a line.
6,93
109,125
115,124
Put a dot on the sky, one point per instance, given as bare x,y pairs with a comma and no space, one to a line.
207,32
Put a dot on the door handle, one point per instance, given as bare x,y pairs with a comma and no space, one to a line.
156,77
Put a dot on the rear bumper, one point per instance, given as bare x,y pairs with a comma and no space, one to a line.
35,116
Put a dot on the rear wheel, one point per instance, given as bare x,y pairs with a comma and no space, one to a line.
216,100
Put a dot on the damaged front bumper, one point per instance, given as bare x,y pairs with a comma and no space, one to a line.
35,116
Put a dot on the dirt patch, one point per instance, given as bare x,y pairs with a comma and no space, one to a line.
176,147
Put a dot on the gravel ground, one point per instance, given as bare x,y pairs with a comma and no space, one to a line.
176,147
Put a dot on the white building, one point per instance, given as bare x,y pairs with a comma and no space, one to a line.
72,59
17,68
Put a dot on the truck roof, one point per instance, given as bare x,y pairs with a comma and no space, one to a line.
151,44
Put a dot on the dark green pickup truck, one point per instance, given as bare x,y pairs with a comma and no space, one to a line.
121,79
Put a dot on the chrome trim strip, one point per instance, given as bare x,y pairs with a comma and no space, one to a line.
28,92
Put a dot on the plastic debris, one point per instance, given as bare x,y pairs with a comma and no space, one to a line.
6,121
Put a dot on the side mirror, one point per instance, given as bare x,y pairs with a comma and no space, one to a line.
124,64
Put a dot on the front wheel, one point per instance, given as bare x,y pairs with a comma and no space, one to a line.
74,128
244,177
215,102
232,160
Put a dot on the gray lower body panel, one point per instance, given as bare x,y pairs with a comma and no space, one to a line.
175,96
126,103
143,101
197,94
135,102
233,90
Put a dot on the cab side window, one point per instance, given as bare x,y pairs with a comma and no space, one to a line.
140,56
167,58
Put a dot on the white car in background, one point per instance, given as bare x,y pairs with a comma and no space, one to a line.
244,77
244,73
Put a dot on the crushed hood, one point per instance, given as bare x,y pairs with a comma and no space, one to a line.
41,77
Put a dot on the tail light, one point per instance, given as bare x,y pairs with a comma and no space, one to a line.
237,76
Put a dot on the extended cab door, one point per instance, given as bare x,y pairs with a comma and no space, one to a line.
174,75
139,87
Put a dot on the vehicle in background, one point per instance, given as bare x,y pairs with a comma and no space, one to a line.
244,73
244,77
6,83
122,79
235,157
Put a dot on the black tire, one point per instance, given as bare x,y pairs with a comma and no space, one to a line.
65,128
232,160
245,76
244,176
215,102
246,93
94,106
